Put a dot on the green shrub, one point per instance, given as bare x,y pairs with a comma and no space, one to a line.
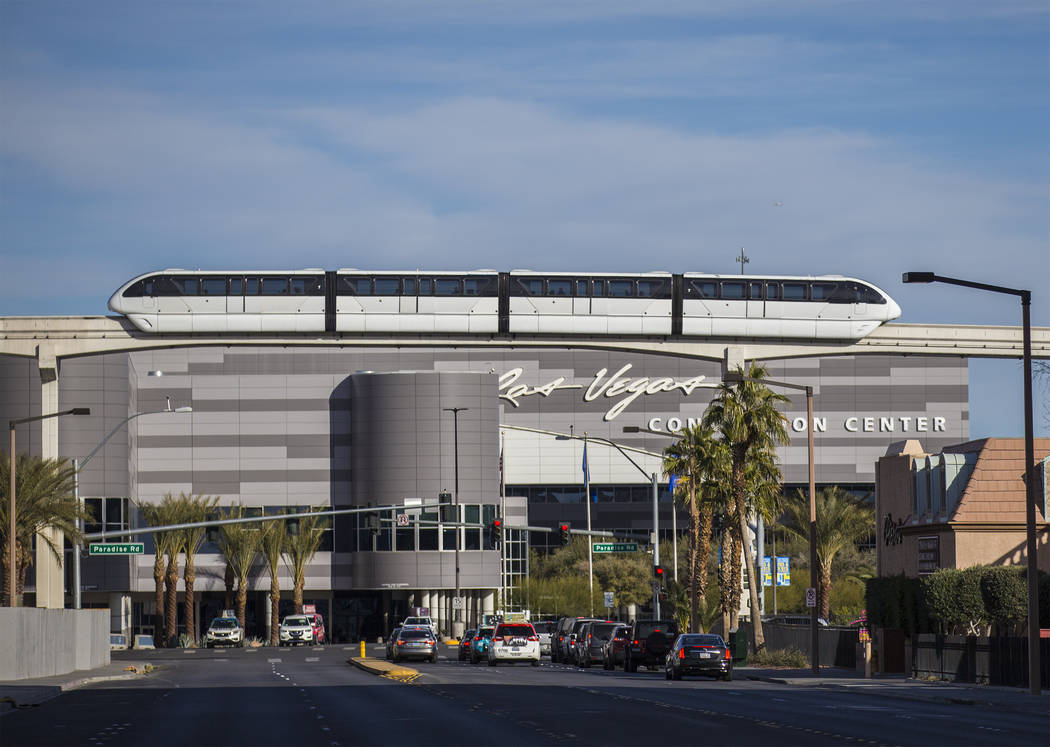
785,657
1004,592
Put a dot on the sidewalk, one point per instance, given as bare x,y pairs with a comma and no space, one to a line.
1012,699
31,692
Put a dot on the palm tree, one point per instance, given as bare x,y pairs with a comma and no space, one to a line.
747,417
44,501
167,546
696,458
193,509
273,540
240,544
300,549
842,521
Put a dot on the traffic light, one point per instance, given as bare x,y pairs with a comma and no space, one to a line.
566,536
658,574
495,533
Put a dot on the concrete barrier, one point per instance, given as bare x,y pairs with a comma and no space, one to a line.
45,642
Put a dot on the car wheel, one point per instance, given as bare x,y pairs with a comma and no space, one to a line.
667,672
676,674
492,662
728,676
585,662
433,658
535,662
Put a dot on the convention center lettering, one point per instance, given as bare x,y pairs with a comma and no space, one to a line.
625,390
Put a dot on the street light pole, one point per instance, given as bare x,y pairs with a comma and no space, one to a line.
1031,544
12,557
735,377
457,612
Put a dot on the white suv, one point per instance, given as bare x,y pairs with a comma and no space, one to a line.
224,631
514,642
296,630
425,622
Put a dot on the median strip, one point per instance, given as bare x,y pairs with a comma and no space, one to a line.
384,669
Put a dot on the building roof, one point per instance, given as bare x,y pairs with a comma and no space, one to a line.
995,491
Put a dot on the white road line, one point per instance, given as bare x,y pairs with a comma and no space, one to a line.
313,658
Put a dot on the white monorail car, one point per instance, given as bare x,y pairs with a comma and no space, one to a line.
517,302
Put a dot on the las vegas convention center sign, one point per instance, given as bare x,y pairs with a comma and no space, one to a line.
620,391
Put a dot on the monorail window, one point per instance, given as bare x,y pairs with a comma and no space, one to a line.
409,286
169,285
794,291
387,286
755,291
138,288
772,292
529,286
356,286
559,287
307,285
621,289
653,289
869,295
732,290
275,286
212,286
821,291
479,286
426,286
703,288
581,288
448,287
252,286
598,288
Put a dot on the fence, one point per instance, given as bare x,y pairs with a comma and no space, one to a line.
838,646
1001,660
43,642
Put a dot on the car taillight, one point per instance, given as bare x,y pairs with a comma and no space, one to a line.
728,655
477,638
681,653
533,638
498,638
400,643
635,642
589,637
429,642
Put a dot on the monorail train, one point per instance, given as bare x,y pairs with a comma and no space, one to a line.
492,303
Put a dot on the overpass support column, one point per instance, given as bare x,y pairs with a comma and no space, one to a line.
49,575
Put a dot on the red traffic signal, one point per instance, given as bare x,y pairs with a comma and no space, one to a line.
658,572
566,536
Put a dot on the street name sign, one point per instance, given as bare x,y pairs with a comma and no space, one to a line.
116,548
615,547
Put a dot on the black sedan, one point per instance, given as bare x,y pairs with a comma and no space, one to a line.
699,653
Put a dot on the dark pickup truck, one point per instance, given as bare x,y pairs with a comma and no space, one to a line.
648,642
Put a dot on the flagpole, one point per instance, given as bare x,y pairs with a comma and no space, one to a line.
590,545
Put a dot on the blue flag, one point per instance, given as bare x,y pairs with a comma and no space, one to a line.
672,482
586,474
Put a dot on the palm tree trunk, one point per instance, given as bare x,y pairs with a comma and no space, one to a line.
824,591
171,606
734,575
725,583
275,608
158,596
297,594
703,554
189,606
4,565
739,495
694,571
229,578
242,602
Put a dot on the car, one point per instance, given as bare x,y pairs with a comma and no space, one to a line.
514,642
296,630
545,630
419,620
571,642
612,651
479,647
560,638
699,653
416,642
318,624
648,642
224,631
390,641
464,644
590,643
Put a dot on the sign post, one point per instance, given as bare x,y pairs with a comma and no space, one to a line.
609,600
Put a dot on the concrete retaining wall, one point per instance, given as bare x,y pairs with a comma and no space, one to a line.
45,642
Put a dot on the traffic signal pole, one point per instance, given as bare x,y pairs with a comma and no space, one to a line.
656,544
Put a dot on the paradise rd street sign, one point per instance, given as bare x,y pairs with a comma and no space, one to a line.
615,547
116,548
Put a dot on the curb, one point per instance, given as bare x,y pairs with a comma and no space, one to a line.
383,668
44,693
912,696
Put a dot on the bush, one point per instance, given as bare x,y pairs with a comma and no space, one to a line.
785,657
1004,592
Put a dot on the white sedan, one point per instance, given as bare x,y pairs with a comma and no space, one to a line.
514,642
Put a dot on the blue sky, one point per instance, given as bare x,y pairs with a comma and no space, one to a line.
590,135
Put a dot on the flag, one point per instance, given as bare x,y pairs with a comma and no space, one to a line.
586,474
672,482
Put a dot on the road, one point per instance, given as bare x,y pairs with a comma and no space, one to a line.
313,697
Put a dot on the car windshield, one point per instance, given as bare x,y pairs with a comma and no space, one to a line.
485,632
414,633
645,629
515,630
703,640
224,623
603,630
296,621
544,627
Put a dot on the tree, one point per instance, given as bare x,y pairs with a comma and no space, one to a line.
239,544
192,510
698,459
842,522
167,546
304,537
746,416
44,501
275,535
